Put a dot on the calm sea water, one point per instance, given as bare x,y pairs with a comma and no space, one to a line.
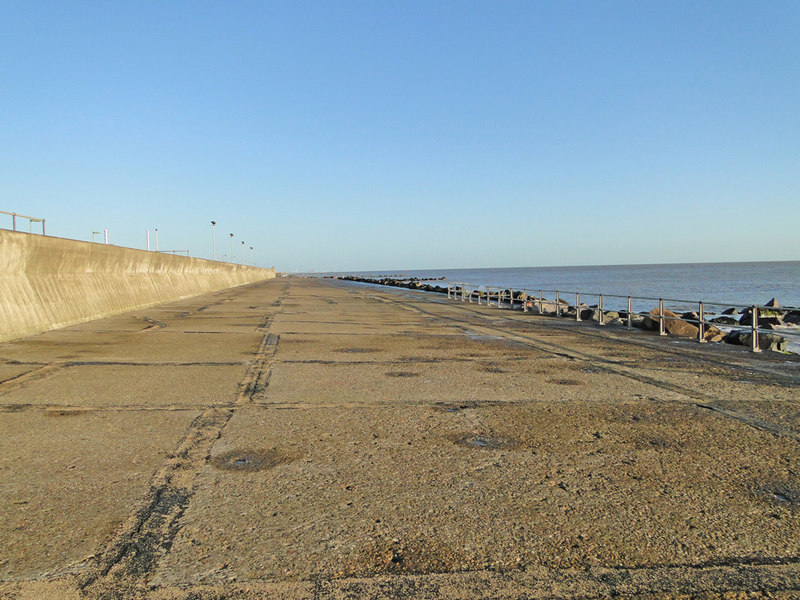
735,284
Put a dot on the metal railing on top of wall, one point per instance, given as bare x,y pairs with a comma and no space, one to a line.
506,297
31,220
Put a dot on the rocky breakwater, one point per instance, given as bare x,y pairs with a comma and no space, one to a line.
769,318
412,283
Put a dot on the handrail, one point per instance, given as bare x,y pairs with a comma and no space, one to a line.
31,220
506,295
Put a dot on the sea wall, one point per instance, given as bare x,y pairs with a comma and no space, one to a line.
48,282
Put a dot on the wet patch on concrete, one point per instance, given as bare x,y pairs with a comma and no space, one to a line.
67,412
357,350
485,442
564,381
402,374
490,368
254,459
451,408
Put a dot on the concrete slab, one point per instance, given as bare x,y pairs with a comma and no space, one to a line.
374,491
131,385
151,346
282,326
411,347
493,379
70,478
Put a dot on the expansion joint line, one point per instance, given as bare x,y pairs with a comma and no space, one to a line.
14,383
148,534
150,530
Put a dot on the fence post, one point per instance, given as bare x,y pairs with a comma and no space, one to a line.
524,300
701,326
577,306
754,330
511,297
661,330
601,320
558,304
448,290
630,315
540,301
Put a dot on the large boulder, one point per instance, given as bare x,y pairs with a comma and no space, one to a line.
765,317
766,341
673,324
712,334
725,320
792,317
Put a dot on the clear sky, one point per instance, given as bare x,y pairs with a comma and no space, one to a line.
384,135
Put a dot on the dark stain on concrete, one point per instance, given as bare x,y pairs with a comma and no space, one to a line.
253,459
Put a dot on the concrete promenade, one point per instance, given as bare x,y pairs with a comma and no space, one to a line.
300,438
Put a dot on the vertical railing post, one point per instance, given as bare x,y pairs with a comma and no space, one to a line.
448,290
524,300
600,318
577,306
754,330
630,315
558,304
701,337
661,330
540,302
511,297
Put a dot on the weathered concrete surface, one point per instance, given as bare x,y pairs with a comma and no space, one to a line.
306,439
49,282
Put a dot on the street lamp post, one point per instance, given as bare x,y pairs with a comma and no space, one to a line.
231,246
213,240
251,256
243,256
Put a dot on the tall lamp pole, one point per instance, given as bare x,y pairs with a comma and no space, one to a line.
251,256
231,246
213,240
243,256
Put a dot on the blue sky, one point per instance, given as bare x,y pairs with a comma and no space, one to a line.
409,135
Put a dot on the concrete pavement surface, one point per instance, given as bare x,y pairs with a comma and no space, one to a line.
302,438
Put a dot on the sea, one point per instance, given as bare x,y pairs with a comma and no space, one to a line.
718,285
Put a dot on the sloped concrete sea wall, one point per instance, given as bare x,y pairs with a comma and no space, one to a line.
48,282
